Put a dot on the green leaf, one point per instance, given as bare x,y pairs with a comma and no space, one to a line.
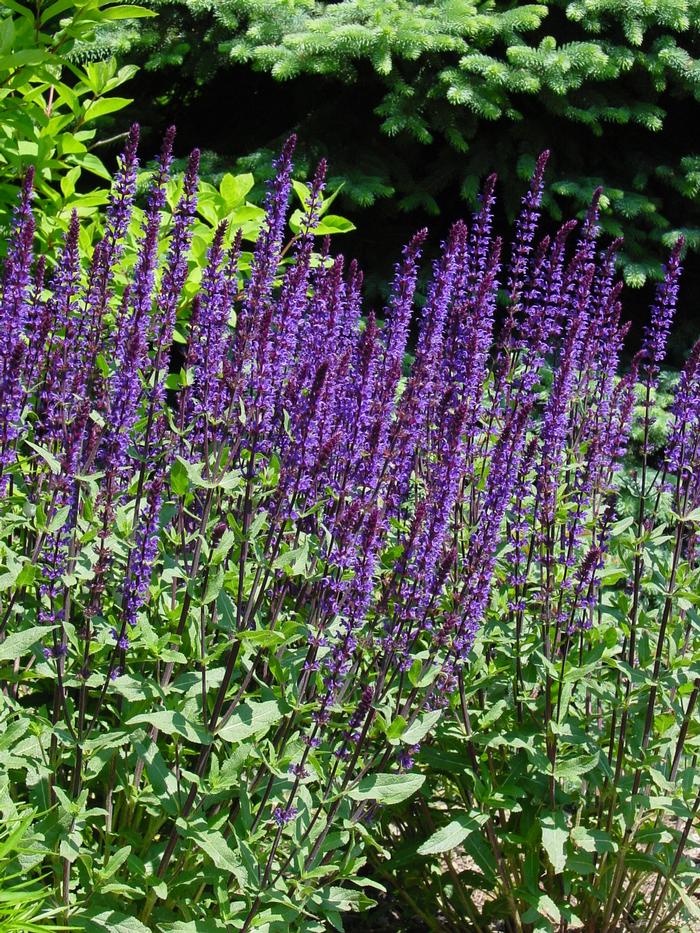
19,643
108,920
104,105
58,519
387,788
452,835
172,722
162,779
194,926
213,844
331,224
261,637
250,719
215,582
293,561
126,11
418,730
179,479
234,188
46,455
573,768
555,832
690,904
396,728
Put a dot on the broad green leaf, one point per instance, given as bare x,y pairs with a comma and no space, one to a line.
573,768
492,714
19,643
261,637
452,835
234,188
126,11
108,921
173,723
161,777
179,479
293,561
396,727
103,106
331,224
58,519
116,860
418,730
555,832
222,855
215,582
387,788
250,719
194,926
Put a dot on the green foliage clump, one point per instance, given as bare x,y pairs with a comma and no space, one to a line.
484,85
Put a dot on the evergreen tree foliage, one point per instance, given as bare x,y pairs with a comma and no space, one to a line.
611,85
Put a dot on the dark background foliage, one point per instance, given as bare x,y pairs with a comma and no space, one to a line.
236,77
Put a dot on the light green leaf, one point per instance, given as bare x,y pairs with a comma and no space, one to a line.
173,723
250,719
293,561
213,844
46,455
126,11
234,188
19,643
387,788
451,835
331,224
179,480
418,730
58,519
396,727
555,832
110,921
103,106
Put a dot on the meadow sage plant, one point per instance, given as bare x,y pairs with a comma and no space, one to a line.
243,575
562,789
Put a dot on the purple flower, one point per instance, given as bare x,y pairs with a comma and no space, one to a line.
282,816
662,313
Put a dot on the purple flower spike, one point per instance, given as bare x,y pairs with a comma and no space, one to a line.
662,314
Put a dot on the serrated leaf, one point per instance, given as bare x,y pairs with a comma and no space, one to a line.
555,832
110,921
172,722
213,844
19,643
250,719
387,788
396,727
451,835
418,730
